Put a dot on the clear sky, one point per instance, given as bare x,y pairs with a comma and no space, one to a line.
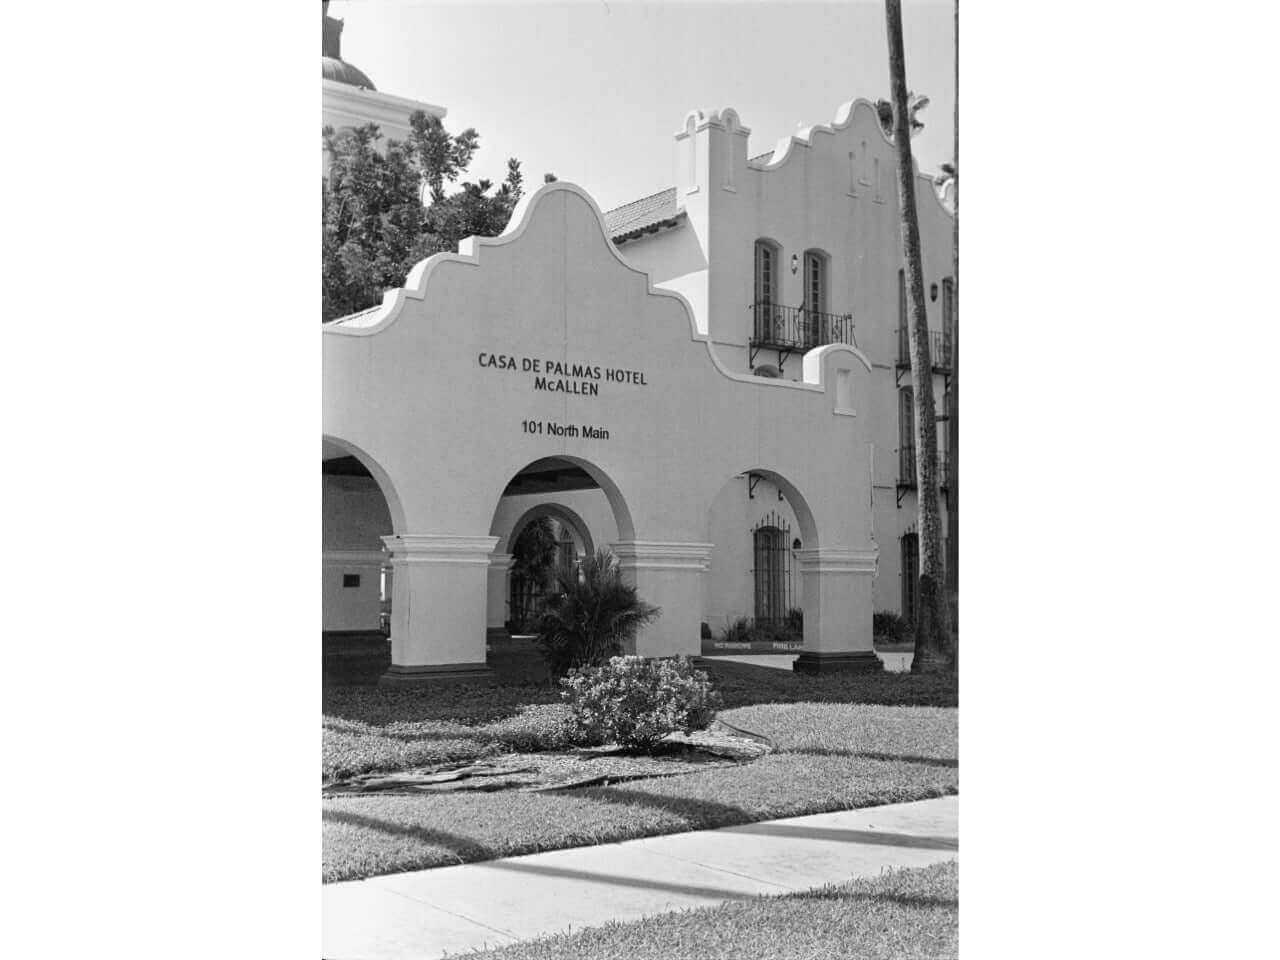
593,91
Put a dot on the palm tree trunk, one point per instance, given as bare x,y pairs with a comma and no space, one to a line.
953,411
933,649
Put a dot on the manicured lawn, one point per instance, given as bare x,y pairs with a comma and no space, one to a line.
903,915
741,684
842,742
829,757
371,729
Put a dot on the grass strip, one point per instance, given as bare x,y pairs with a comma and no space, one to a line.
902,915
829,757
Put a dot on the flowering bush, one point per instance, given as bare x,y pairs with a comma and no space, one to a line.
635,702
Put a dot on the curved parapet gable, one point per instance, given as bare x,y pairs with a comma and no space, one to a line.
473,250
373,320
857,114
545,342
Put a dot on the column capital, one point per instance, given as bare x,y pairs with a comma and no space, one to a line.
439,548
662,554
837,560
501,561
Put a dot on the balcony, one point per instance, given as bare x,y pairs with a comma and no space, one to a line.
786,329
939,350
907,470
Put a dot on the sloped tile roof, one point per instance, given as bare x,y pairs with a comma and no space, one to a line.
646,215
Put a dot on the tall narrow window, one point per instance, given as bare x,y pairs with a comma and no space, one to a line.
906,418
815,299
766,264
906,438
904,339
948,303
815,282
910,574
771,553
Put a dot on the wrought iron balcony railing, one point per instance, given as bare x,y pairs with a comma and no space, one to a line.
939,350
797,328
907,468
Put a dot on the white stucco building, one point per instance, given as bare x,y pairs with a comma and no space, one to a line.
349,98
798,247
711,380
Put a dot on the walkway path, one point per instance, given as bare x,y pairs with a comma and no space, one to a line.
455,909
895,662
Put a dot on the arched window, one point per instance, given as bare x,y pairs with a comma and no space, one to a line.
910,574
904,340
815,297
906,438
764,311
766,272
815,281
906,418
772,553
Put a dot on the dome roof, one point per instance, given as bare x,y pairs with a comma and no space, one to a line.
334,69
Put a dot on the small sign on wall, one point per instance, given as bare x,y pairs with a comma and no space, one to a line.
351,580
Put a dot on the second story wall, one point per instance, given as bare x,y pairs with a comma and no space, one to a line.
829,190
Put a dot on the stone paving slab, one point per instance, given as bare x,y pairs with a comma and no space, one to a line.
425,913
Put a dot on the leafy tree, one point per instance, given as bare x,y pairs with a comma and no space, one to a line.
385,211
533,560
591,618
915,104
933,644
953,410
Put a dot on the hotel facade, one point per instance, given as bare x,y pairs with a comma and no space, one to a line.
712,381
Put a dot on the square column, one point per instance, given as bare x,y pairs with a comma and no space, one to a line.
837,611
439,593
667,575
499,591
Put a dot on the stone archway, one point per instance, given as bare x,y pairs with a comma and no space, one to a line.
577,494
359,506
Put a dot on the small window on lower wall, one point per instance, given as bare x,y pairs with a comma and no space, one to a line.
351,579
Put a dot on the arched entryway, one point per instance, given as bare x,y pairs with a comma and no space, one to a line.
560,508
359,507
548,541
758,524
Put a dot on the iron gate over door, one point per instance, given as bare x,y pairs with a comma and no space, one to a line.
772,570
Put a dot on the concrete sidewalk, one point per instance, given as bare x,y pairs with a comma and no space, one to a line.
456,909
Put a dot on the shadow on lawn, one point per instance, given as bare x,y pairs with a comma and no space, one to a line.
697,813
463,847
743,684
361,663
887,757
902,899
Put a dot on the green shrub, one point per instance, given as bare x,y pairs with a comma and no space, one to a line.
591,616
537,727
739,631
744,630
889,627
635,702
795,623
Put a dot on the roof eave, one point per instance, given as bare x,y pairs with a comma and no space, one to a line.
668,224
